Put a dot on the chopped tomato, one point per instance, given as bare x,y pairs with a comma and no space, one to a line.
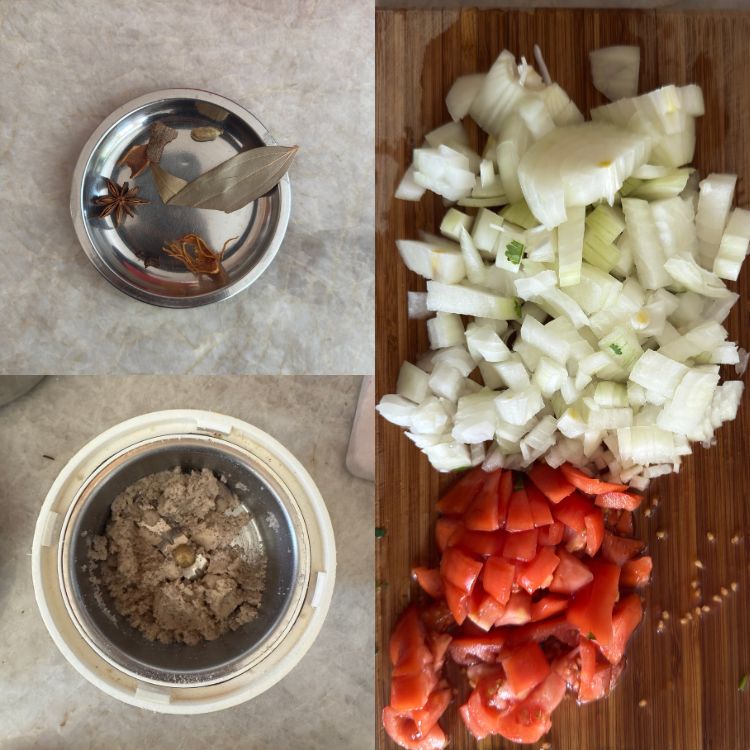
519,516
548,606
625,619
484,610
477,717
458,498
570,575
551,482
574,541
636,573
525,668
594,678
539,506
411,691
407,635
497,578
618,549
537,574
458,602
505,490
594,531
437,617
529,719
479,543
572,511
591,608
552,535
587,484
444,530
624,523
521,545
619,500
427,717
482,514
459,569
403,731
438,644
554,627
517,610
430,581
469,649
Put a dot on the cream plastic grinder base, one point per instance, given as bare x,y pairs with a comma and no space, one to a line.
105,663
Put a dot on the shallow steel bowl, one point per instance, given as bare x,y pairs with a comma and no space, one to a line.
130,256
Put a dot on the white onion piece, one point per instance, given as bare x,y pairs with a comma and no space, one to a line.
462,93
615,71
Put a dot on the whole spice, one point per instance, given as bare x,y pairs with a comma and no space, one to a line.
119,201
206,133
135,158
198,257
161,135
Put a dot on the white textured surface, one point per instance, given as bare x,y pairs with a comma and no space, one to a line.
305,68
325,703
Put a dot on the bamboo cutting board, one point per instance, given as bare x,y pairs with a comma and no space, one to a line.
685,678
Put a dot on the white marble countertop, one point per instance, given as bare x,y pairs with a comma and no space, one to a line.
304,67
326,702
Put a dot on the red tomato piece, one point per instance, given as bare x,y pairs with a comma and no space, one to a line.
539,506
460,494
484,609
537,574
594,678
625,619
469,649
411,691
619,500
482,514
521,545
430,581
519,516
573,510
554,627
426,718
525,668
527,721
478,543
505,490
574,541
438,644
437,616
404,732
591,608
458,602
408,635
459,569
517,610
589,485
497,578
618,550
552,535
551,482
594,531
444,530
478,718
548,606
624,523
570,575
636,573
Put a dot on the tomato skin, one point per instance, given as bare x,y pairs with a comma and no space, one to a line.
539,506
554,627
407,635
427,717
525,668
572,511
618,550
548,606
552,535
626,617
459,496
551,482
459,569
538,573
619,500
519,516
587,484
636,573
594,522
477,718
429,581
438,644
411,691
591,608
624,523
458,602
497,578
478,543
470,649
521,545
483,513
403,731
570,575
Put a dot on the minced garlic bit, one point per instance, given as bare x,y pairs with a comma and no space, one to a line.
710,536
735,539
665,615
683,620
724,591
661,534
734,585
694,583
647,512
660,626
706,608
716,598
697,611
698,564
642,703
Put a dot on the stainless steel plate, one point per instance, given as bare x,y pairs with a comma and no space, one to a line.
130,256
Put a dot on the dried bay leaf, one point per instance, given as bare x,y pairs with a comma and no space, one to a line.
167,184
237,181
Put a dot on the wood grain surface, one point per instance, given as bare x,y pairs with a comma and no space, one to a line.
688,675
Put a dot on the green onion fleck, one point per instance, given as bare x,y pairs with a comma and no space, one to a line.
744,682
616,349
514,251
379,532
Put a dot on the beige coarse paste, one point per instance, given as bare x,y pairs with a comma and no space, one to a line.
171,560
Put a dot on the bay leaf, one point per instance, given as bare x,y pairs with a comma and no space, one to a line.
237,181
167,184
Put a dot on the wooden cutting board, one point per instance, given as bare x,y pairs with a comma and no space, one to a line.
680,688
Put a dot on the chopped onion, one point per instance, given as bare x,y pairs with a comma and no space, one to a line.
714,204
615,71
462,93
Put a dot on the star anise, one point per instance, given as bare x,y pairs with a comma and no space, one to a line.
119,201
